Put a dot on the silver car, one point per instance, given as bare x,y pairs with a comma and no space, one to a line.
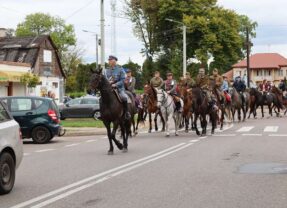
11,149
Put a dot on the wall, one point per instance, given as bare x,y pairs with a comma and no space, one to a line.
19,89
48,84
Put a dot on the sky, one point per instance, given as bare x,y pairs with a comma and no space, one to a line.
85,15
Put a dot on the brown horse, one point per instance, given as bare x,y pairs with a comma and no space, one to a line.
279,101
186,95
151,103
220,103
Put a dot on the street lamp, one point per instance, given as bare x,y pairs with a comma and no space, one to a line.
184,43
97,43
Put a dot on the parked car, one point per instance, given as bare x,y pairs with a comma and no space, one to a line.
84,107
38,117
11,149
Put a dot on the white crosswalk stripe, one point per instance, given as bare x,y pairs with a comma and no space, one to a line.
271,129
245,129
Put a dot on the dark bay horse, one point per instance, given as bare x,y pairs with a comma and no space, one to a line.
237,104
201,110
186,95
150,102
261,99
112,111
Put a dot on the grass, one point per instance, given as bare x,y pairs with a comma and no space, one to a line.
82,122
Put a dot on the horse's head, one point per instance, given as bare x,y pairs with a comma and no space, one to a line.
96,78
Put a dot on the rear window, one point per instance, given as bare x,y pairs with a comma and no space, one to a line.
4,116
21,104
38,103
90,101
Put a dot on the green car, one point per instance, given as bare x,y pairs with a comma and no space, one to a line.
38,117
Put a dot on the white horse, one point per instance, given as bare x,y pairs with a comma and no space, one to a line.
167,107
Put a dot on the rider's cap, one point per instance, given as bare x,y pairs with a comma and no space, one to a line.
111,57
168,74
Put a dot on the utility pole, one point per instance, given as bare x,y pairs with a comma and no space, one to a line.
248,45
113,25
97,49
184,43
102,36
184,50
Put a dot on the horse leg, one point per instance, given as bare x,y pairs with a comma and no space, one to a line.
162,122
262,111
117,142
125,127
176,122
166,116
150,122
195,124
186,120
213,122
108,127
270,110
203,125
155,121
222,118
239,114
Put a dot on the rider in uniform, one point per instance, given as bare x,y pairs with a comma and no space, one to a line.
157,82
116,76
202,81
171,89
216,82
240,87
188,81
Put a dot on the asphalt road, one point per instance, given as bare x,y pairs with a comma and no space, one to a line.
243,166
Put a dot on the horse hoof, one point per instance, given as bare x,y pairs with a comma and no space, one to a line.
198,134
167,135
221,128
156,129
149,131
110,152
186,130
120,146
176,134
162,130
125,150
212,132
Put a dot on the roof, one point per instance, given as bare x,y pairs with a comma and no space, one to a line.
15,63
263,61
24,49
229,74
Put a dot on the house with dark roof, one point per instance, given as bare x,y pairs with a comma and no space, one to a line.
37,55
269,66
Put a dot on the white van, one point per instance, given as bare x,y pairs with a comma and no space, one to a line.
11,149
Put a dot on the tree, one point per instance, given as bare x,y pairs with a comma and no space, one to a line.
62,34
30,80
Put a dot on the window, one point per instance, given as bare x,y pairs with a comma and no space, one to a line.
22,57
259,72
21,104
47,56
4,116
38,103
280,73
90,101
75,102
47,72
2,55
55,84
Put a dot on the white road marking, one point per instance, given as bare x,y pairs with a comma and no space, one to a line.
251,134
193,140
26,154
72,145
73,191
44,150
224,135
278,135
271,129
49,194
245,129
91,140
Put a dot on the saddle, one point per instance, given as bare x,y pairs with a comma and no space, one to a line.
119,97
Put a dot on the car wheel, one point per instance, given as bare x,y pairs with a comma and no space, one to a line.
41,135
7,173
97,115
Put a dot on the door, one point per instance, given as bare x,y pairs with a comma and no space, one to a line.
72,109
23,112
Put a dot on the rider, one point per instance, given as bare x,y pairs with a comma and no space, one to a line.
116,75
188,81
240,87
264,86
171,89
225,88
202,81
216,82
157,82
130,82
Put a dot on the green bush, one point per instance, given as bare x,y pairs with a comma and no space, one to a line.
76,94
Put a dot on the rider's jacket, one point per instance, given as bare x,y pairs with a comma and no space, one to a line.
130,83
156,82
239,86
216,81
170,85
224,86
117,76
264,87
202,81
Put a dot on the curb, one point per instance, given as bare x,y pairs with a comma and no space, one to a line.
84,131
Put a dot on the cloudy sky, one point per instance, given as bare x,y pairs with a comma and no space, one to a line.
85,15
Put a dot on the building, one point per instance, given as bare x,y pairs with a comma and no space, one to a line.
269,66
37,55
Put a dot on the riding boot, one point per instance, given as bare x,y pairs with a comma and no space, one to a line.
126,111
177,106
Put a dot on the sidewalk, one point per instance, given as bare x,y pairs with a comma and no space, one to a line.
86,131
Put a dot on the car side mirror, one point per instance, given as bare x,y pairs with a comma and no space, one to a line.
67,105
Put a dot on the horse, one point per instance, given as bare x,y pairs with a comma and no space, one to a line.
261,99
167,106
221,103
202,109
112,111
150,101
278,101
186,95
237,104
